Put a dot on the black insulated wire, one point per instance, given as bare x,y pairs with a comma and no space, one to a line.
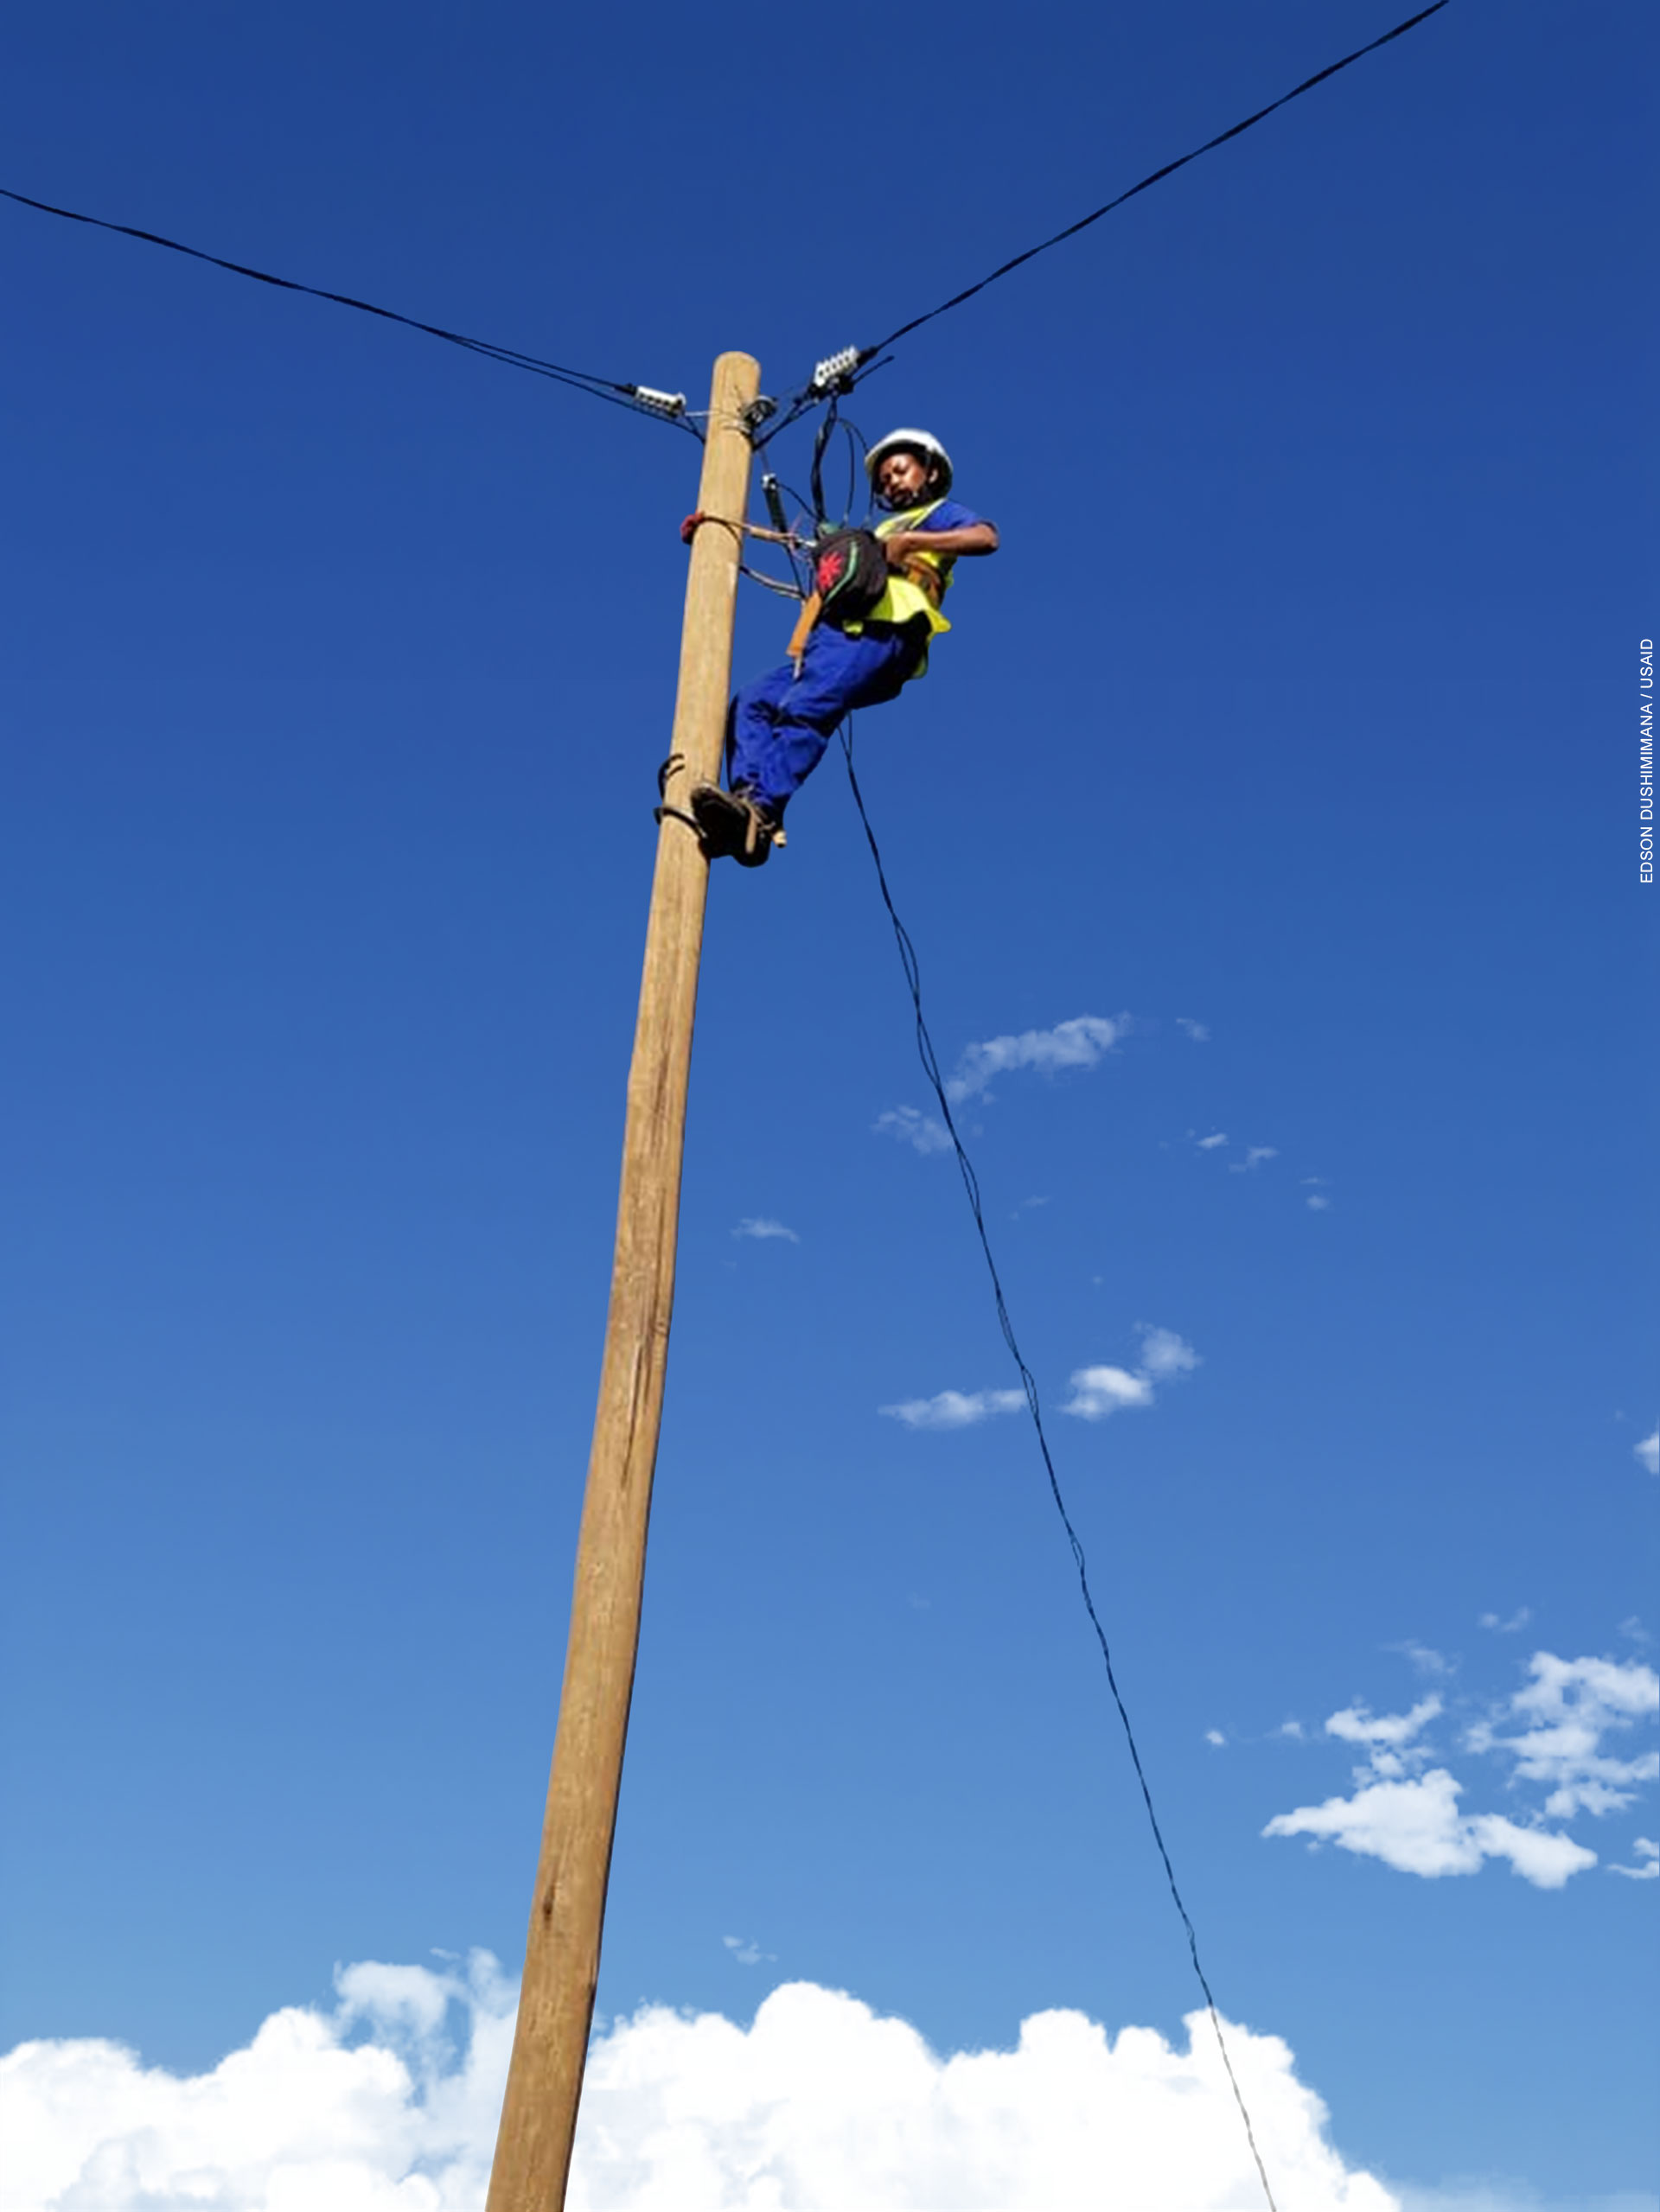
815,478
600,388
868,352
971,1184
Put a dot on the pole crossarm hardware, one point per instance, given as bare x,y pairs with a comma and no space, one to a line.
556,2002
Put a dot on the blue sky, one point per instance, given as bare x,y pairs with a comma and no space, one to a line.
1289,744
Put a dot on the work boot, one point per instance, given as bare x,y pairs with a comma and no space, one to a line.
733,826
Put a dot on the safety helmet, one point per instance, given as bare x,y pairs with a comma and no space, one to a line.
919,442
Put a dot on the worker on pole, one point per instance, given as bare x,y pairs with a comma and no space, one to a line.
858,644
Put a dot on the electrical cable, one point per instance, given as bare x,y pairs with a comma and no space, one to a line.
868,352
971,1184
815,475
600,388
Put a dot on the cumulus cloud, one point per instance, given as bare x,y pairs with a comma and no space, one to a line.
1416,1827
1566,1709
1209,1144
1391,1731
1519,1619
1098,1392
1649,1451
1080,1043
1648,1850
1197,1030
821,2101
955,1409
1411,1820
924,1132
761,1227
1255,1156
307,2115
1317,1202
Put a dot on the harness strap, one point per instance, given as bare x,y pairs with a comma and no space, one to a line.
923,573
805,623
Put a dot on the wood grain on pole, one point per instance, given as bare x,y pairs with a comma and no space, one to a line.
556,2003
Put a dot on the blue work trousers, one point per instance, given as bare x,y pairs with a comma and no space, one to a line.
779,725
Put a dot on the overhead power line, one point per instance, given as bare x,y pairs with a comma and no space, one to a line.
825,379
930,1061
638,398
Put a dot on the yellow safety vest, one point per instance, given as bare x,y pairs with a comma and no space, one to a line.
906,597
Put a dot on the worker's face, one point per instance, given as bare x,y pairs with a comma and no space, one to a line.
901,478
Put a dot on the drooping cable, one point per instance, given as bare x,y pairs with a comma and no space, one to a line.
665,407
815,475
868,352
971,1185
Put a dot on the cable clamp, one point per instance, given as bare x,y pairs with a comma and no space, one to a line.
832,373
760,410
672,404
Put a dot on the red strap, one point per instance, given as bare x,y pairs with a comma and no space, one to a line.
689,527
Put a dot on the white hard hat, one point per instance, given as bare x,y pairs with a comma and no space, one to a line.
922,442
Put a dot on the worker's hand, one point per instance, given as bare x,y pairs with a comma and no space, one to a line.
900,545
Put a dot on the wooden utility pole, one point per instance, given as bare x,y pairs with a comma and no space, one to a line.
556,2003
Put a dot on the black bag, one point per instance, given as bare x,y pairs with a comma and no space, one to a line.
850,574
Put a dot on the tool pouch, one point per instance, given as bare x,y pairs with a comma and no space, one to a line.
850,574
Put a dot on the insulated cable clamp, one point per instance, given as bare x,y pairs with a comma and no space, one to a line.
672,404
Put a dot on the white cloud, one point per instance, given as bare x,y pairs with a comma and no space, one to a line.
1197,1030
761,1227
1098,1392
1649,1451
1209,1144
746,1950
820,2102
1080,1043
1392,1731
1566,1709
1387,1738
1255,1156
1216,1737
1415,1826
1519,1619
1317,1203
955,1409
1648,1851
1164,1354
921,1131
304,2117
1411,1820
